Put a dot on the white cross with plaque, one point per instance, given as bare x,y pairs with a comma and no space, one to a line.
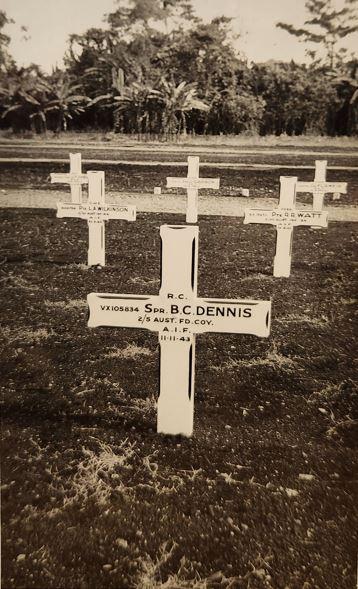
96,211
75,178
177,314
193,183
320,187
285,217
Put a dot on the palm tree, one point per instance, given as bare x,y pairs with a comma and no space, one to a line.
177,102
26,92
134,108
142,109
66,102
137,106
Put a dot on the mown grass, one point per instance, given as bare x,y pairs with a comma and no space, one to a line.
243,140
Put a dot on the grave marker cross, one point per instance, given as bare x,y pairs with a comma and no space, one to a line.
75,178
285,217
320,187
193,183
177,314
96,212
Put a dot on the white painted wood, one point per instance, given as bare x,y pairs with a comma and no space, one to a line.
179,266
282,259
193,183
75,178
177,314
192,206
320,170
96,212
285,218
320,187
96,229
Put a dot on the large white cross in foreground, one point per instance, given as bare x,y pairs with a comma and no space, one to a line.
75,178
177,314
320,187
96,212
285,217
193,183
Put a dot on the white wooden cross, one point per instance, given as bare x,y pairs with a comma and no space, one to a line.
177,314
285,217
193,183
96,212
75,178
320,187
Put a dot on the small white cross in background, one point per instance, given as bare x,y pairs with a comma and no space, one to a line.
74,178
96,212
285,217
320,187
193,183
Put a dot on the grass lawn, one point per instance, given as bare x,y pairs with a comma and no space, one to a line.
262,496
301,141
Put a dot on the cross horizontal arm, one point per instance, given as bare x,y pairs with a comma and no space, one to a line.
286,217
69,210
69,178
185,317
94,212
112,310
193,183
230,316
325,187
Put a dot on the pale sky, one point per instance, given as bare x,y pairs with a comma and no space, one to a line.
50,22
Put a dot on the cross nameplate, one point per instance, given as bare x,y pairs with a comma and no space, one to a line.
286,218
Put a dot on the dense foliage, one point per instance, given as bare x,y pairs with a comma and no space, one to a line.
155,68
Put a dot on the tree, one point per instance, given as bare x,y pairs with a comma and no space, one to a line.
236,112
6,61
298,99
148,13
346,86
326,27
25,97
177,101
65,100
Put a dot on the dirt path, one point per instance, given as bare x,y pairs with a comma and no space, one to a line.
169,203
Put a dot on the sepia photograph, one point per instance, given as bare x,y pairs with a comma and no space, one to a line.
178,271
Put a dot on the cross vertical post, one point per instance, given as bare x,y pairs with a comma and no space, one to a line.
282,260
76,168
192,208
319,176
177,361
96,228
